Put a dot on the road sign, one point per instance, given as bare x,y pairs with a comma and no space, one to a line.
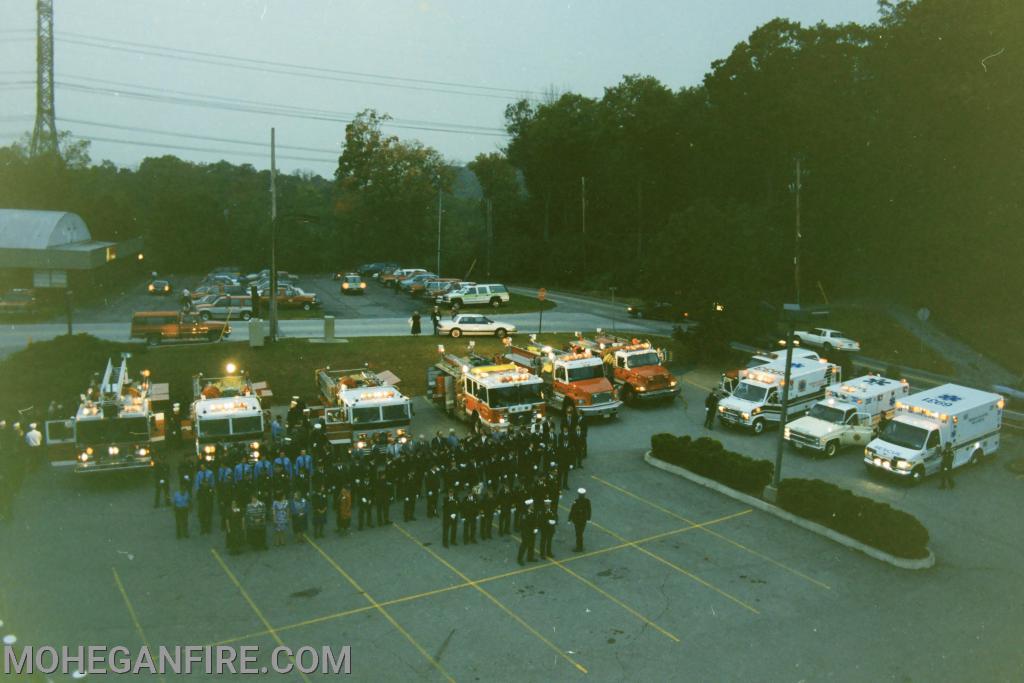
542,294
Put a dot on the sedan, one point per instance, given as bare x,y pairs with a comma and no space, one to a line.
471,323
352,284
159,287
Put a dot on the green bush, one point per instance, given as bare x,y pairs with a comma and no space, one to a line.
708,458
875,524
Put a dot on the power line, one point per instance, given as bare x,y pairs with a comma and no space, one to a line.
220,61
258,108
397,122
136,129
315,69
210,150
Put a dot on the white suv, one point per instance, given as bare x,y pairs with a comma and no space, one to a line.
477,295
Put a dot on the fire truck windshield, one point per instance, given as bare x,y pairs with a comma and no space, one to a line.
247,425
586,372
212,428
398,411
513,395
640,360
362,416
118,430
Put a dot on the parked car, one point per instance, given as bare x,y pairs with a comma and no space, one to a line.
282,276
208,290
374,269
292,297
217,279
159,287
159,326
474,323
827,339
659,310
225,307
18,301
353,284
438,286
477,295
391,278
408,283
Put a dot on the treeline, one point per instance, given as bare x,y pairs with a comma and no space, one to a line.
908,133
381,204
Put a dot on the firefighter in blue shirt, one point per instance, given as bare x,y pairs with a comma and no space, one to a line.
285,463
304,461
202,476
182,503
263,469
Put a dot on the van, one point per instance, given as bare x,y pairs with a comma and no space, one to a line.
158,326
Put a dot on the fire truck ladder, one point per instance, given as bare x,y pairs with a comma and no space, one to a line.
113,381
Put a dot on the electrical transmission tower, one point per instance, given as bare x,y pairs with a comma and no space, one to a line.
44,135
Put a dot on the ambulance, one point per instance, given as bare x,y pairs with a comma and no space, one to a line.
757,400
360,403
849,415
910,446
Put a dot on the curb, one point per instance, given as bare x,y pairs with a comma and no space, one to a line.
841,539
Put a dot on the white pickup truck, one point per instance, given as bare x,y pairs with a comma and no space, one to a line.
827,339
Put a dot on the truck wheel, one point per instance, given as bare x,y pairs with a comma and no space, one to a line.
456,304
977,457
153,340
456,332
246,315
758,426
828,347
307,306
917,475
204,315
831,448
500,333
495,302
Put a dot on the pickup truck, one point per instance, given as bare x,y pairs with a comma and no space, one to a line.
158,326
827,339
292,297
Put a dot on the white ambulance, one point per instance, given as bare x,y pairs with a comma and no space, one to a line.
848,416
757,399
911,444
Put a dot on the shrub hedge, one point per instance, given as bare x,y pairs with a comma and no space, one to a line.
876,524
710,459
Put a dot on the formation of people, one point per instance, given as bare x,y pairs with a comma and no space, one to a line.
513,482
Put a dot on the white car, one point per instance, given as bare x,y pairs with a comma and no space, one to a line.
471,323
827,339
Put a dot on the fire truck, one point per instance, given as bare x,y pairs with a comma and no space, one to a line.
115,426
359,404
573,380
634,366
492,396
227,417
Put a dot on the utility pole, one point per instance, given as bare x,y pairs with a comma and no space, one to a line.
44,134
640,220
273,236
440,203
583,215
777,474
490,235
796,246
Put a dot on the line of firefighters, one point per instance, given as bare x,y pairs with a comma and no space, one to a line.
515,479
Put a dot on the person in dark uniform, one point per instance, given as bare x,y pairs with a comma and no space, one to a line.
470,509
488,503
382,499
435,318
204,503
947,467
579,515
319,501
564,454
450,519
235,527
256,523
710,409
363,495
547,523
432,482
415,323
504,510
182,504
528,532
409,492
161,479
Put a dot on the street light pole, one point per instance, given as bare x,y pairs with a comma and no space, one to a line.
440,202
273,237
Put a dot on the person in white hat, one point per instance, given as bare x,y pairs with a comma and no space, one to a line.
527,533
579,515
33,438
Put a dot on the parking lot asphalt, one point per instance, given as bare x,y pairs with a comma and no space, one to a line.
677,582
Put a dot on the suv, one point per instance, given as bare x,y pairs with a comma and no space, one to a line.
157,326
477,295
225,308
18,301
352,284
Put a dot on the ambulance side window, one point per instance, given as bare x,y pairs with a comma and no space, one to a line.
773,396
933,440
621,361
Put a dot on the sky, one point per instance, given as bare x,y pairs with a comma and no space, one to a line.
206,80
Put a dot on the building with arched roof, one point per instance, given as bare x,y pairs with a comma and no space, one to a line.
55,248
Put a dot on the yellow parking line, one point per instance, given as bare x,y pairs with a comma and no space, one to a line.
255,609
713,533
376,605
561,653
487,579
659,558
131,611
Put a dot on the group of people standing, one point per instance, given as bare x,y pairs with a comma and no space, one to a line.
512,480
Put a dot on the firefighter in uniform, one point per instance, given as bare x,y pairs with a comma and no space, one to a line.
528,531
488,503
409,493
161,479
450,519
432,480
470,510
547,523
579,515
362,494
